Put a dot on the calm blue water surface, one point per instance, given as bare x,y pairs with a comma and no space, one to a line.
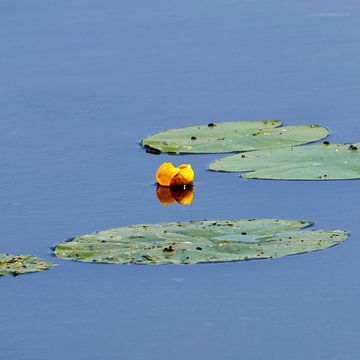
81,83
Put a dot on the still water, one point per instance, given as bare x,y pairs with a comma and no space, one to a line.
81,83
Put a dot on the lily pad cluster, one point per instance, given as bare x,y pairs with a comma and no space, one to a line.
198,242
266,150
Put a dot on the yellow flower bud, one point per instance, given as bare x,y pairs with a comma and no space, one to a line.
165,173
169,175
184,177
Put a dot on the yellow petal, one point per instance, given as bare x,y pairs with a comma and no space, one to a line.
166,172
184,177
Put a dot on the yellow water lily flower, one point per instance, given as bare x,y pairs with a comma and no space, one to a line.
165,173
184,177
169,175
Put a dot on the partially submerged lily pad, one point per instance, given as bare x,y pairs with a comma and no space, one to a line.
233,136
21,264
198,242
311,162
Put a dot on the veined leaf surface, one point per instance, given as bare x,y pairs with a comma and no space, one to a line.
311,162
233,136
21,264
198,242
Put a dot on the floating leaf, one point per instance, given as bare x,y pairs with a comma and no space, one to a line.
233,136
198,241
312,162
21,264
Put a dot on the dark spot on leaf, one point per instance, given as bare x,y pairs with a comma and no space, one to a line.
193,138
169,249
352,147
147,257
211,125
326,142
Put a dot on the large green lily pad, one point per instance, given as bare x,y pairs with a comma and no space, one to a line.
21,264
311,162
233,136
198,242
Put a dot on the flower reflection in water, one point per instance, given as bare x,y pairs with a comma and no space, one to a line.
168,195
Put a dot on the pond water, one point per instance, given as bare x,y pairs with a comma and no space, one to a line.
81,83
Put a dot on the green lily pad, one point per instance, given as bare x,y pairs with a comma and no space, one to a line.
198,242
21,264
233,136
311,162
